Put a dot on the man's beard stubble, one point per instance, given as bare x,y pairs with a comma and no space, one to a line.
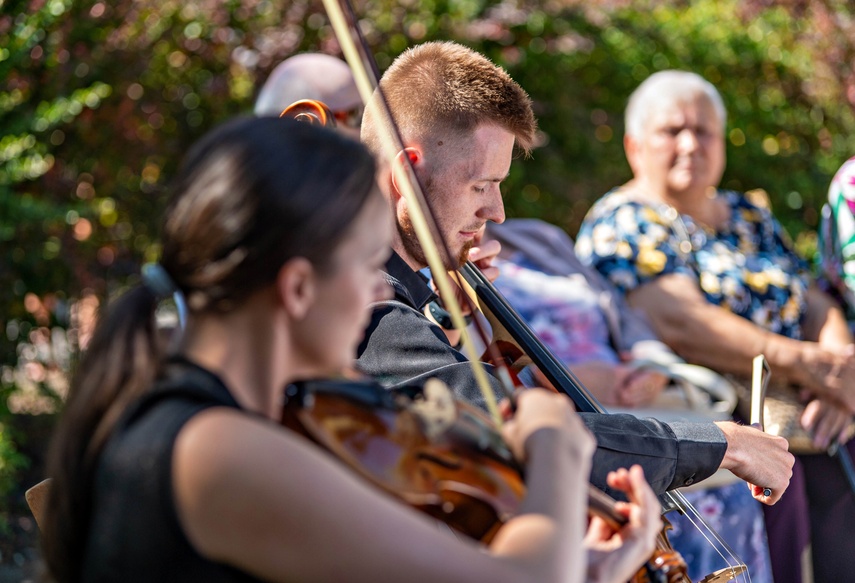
414,249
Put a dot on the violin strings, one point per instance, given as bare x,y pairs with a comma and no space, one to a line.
721,547
732,560
696,520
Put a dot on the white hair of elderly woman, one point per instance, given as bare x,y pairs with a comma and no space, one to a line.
665,89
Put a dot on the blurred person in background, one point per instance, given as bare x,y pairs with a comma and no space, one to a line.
836,256
719,280
313,76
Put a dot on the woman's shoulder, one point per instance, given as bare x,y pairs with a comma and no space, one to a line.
220,443
627,207
752,200
613,201
149,428
135,476
748,207
181,391
627,216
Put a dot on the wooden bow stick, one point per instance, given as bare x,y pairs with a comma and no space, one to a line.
760,374
367,82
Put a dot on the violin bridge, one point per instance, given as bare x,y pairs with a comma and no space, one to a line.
726,574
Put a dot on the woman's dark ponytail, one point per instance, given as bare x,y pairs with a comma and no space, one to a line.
118,366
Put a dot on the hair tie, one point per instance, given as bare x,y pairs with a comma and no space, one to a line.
155,278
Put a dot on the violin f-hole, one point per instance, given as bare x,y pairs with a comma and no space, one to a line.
450,462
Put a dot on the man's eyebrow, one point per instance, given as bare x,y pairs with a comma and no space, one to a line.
489,179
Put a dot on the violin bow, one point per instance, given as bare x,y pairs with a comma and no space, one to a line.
367,79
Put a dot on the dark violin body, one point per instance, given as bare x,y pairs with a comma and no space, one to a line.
437,455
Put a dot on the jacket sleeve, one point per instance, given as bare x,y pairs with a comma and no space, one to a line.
672,455
401,346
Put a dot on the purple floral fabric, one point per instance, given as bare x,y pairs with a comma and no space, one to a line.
563,311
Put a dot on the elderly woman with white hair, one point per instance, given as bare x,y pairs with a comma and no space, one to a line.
720,282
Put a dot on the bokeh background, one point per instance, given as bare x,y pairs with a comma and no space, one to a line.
98,101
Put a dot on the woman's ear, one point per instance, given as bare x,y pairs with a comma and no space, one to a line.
631,149
296,287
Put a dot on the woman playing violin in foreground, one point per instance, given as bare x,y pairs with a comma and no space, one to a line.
174,469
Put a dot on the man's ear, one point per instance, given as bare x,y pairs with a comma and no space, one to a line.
295,287
399,168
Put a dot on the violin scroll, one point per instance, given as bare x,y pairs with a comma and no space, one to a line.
310,111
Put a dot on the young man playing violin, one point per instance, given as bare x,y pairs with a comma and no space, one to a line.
460,117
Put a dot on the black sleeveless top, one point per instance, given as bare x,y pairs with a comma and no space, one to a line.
135,534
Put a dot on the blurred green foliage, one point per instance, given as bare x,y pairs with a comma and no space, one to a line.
98,101
790,116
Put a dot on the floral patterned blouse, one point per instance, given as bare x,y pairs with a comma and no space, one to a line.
747,267
564,311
